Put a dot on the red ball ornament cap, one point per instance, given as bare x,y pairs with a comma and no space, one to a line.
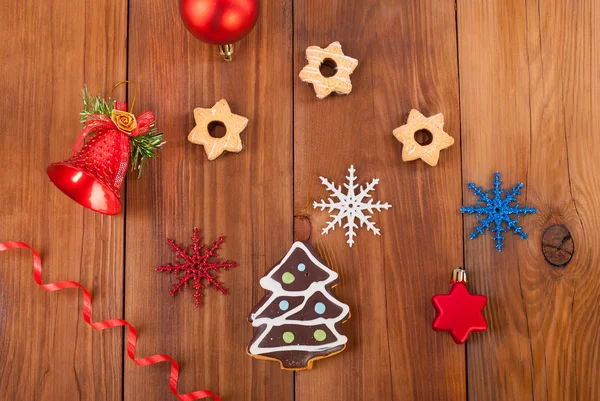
459,312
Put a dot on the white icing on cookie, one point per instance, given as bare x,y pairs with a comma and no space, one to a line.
270,284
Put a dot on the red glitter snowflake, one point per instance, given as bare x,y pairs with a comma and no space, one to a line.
196,266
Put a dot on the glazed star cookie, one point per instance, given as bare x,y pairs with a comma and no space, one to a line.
299,320
333,56
412,150
219,114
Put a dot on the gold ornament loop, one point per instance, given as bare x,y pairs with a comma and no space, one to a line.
226,51
459,275
135,93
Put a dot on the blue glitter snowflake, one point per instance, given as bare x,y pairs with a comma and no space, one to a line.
498,211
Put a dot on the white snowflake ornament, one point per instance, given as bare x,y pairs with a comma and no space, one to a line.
351,206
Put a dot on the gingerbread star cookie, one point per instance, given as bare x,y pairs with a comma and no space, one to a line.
219,113
342,64
412,149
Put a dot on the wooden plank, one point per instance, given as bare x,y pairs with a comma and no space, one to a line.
407,59
47,352
246,196
532,72
495,129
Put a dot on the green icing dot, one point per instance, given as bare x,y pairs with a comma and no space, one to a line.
319,335
288,278
288,337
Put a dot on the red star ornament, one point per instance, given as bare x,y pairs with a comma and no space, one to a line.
459,312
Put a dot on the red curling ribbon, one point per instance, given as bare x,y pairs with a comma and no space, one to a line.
107,324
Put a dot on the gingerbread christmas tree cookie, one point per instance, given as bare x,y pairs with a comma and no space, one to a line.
299,320
334,57
434,126
219,114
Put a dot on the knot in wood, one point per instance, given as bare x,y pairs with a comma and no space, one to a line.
557,245
302,228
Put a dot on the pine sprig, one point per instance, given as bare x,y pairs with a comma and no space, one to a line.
94,105
142,147
145,147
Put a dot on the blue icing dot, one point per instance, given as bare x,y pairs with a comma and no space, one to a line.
320,308
301,267
284,305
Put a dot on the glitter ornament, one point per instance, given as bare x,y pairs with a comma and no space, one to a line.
197,266
498,211
351,206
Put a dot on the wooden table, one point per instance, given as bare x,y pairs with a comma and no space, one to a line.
518,84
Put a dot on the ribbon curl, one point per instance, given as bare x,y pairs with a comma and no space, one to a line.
107,324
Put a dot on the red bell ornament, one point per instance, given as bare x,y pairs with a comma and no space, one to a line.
219,22
94,175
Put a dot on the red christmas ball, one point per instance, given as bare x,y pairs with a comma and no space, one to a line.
219,22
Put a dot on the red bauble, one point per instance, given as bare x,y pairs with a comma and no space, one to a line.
459,312
219,22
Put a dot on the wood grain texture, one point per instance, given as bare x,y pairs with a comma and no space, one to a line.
47,352
532,75
518,84
407,59
246,196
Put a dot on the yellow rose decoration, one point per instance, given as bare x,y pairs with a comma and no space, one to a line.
124,121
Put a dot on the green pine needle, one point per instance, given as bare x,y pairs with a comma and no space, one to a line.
94,105
142,147
145,147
